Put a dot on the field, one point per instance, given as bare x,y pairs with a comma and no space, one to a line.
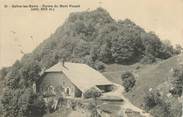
147,76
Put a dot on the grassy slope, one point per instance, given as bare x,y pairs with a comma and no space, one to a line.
148,76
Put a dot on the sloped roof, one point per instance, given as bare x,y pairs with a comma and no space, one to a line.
81,75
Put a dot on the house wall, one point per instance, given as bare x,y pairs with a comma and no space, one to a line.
60,83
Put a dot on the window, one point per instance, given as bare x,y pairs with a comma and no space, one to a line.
68,91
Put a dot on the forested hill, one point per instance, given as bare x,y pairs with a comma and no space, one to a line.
91,37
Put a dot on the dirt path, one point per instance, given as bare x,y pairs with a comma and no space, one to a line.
77,114
127,104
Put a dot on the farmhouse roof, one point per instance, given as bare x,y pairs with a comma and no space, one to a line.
81,75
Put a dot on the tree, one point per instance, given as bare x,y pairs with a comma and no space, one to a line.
178,49
148,59
93,106
166,50
38,107
18,96
178,81
151,44
3,72
9,102
82,49
105,54
154,103
125,49
151,100
13,76
22,103
128,81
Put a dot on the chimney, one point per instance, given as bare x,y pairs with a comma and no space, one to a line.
63,61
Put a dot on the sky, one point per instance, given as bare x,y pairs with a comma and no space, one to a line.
21,29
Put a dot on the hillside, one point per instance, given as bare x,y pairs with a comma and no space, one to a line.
154,73
93,37
148,76
153,76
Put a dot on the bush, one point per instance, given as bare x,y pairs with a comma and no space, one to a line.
178,49
154,103
150,100
162,110
99,65
3,73
128,81
178,81
94,111
94,108
38,107
24,103
92,93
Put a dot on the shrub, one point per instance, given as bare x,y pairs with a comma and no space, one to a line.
24,103
150,100
94,109
92,93
154,103
178,81
178,49
128,81
162,110
3,73
99,65
38,107
95,113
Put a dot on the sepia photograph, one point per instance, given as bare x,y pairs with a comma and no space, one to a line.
95,58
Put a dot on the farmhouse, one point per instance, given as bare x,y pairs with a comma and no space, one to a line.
72,80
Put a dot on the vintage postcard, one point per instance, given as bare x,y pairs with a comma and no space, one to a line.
91,58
